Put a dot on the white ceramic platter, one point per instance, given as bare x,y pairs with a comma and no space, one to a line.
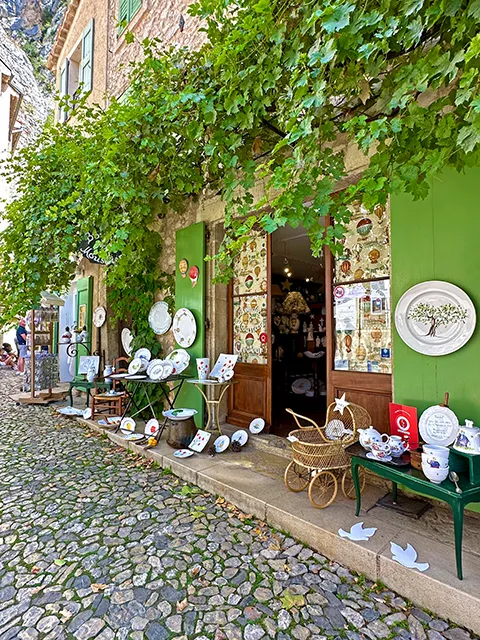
257,425
127,338
180,358
155,371
240,436
127,425
200,441
435,318
135,366
136,376
133,436
118,376
143,353
99,317
159,318
221,444
184,328
438,425
183,453
301,385
179,414
152,427
70,411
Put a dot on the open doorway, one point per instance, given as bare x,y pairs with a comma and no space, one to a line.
298,326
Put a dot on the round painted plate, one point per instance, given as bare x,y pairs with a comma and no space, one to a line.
179,414
134,436
180,358
257,425
159,318
184,327
301,385
127,338
183,453
168,368
127,425
143,353
435,318
221,444
155,372
136,376
438,425
99,317
152,427
152,363
135,366
240,436
87,413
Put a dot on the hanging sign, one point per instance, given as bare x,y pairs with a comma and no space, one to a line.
404,423
86,248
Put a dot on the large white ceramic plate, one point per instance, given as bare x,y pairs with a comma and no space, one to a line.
184,328
127,341
99,317
183,453
152,427
159,319
179,414
435,318
127,425
301,385
143,353
180,358
135,366
438,425
257,425
155,371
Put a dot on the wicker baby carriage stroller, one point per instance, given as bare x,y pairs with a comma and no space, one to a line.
319,458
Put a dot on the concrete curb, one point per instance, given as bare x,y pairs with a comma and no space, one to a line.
437,590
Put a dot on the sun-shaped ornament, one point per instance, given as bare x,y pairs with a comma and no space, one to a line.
183,267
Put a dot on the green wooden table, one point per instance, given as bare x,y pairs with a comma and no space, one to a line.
415,480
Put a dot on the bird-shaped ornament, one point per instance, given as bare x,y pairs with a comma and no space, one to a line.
357,532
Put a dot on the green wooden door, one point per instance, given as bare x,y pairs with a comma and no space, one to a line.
84,311
190,246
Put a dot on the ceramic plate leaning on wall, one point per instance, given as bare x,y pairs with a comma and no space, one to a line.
184,328
435,318
159,318
127,341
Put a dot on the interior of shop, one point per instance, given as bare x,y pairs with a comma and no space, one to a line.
298,330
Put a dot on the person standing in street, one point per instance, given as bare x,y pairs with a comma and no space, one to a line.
22,344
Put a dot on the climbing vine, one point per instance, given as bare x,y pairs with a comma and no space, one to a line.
262,113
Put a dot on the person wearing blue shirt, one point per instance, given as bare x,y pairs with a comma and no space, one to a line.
22,344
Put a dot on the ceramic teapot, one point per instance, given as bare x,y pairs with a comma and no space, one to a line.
468,438
370,435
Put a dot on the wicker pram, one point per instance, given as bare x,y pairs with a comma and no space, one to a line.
319,458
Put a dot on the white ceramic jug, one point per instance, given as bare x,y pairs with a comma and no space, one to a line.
468,438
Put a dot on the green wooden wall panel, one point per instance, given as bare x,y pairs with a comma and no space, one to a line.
85,297
190,245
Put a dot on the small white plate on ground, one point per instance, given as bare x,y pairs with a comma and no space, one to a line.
240,436
87,413
108,422
143,353
114,419
152,427
127,425
200,440
179,414
221,444
257,425
136,376
70,411
183,453
134,436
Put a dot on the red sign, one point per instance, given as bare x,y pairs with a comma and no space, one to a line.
403,423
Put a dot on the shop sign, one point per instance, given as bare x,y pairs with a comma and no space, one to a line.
403,423
86,248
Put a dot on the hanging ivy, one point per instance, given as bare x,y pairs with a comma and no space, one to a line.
272,99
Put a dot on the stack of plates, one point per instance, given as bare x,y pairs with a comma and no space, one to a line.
180,359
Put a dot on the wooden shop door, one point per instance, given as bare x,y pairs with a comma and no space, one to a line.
249,333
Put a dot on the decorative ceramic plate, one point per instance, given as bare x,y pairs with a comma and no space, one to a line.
118,376
127,338
257,425
136,376
134,436
135,366
168,368
143,353
435,318
87,413
240,436
127,425
183,453
184,328
200,440
99,317
179,414
225,362
370,456
221,444
70,411
155,372
159,319
301,385
152,363
180,358
438,425
152,427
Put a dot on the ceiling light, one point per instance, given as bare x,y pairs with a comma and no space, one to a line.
286,269
307,279
289,274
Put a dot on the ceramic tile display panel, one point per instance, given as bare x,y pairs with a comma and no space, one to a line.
250,328
251,267
366,246
363,336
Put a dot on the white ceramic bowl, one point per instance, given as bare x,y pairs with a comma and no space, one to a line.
434,475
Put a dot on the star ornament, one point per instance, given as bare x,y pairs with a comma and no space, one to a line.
340,404
286,285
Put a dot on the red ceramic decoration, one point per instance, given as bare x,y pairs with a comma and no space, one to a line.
263,338
193,274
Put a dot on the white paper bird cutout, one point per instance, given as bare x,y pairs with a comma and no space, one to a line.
292,438
340,404
407,557
357,532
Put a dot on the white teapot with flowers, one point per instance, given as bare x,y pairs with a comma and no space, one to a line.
369,436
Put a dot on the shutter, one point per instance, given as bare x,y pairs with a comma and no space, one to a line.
86,66
123,14
63,90
134,7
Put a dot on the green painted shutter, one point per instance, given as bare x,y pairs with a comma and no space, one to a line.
85,299
63,90
134,7
86,65
123,13
190,244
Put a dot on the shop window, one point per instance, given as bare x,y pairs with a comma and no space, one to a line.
76,74
361,294
126,10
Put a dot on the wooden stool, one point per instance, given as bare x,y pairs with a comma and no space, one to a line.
107,405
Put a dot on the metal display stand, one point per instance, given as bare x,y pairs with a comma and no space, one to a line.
213,405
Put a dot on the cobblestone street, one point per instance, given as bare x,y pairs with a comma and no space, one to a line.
95,543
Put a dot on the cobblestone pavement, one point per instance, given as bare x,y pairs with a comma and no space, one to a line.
95,543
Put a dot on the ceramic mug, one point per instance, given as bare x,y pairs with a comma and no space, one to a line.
203,367
381,450
436,456
434,474
397,446
433,462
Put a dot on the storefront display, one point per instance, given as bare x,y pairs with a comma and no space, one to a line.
45,371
